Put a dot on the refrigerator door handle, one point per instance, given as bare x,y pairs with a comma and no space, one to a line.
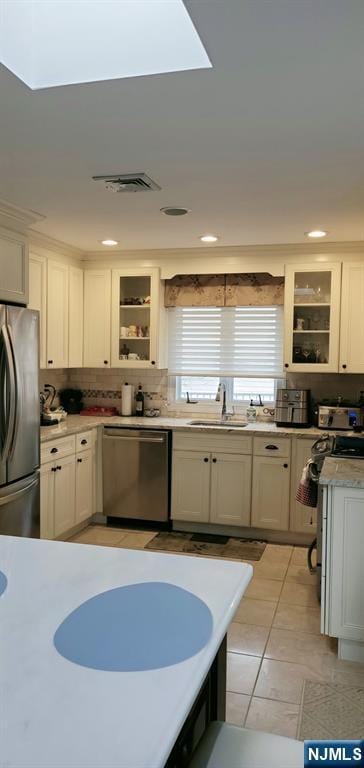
15,393
10,427
14,496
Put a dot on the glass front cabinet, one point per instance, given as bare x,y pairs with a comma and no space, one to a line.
312,317
137,303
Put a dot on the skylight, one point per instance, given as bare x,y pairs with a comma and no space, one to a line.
49,43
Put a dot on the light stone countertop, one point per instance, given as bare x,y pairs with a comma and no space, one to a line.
343,472
59,713
74,424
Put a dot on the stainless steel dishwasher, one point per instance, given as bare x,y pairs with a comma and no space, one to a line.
136,474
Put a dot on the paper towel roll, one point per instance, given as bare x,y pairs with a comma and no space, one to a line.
127,393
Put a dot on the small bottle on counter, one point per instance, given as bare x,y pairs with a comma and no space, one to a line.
139,401
251,412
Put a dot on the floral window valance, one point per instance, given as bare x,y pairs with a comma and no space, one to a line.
236,290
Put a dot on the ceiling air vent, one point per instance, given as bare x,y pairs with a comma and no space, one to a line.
128,182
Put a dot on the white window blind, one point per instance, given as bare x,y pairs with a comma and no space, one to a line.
226,341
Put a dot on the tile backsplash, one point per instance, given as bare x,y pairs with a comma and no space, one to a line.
103,386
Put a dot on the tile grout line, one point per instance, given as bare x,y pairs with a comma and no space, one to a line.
267,641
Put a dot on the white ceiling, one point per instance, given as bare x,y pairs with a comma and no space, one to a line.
263,147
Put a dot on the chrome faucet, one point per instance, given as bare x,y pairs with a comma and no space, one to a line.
221,388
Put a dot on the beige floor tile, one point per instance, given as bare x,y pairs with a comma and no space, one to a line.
101,535
270,569
277,553
300,575
334,670
299,594
137,540
283,680
314,651
258,612
264,589
299,556
246,638
273,716
299,618
242,671
236,708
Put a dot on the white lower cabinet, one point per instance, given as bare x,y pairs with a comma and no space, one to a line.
67,483
191,486
211,483
84,486
64,495
270,493
230,489
344,602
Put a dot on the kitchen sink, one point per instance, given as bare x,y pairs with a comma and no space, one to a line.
220,423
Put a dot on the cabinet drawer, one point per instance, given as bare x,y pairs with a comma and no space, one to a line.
272,446
201,441
56,449
84,440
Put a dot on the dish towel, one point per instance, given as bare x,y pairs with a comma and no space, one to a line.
307,489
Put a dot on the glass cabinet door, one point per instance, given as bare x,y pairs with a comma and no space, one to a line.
312,318
134,312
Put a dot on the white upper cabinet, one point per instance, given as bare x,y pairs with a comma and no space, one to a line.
352,319
312,317
97,314
136,319
38,299
13,267
75,328
57,315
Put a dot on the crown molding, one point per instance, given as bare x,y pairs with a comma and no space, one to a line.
234,251
17,218
39,241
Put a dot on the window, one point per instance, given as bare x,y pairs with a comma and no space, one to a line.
242,346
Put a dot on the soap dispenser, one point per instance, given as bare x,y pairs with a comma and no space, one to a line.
251,412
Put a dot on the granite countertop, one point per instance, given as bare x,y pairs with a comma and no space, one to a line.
123,713
74,424
344,472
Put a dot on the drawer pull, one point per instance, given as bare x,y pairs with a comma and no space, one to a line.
285,466
271,448
54,450
214,461
58,467
205,459
54,469
84,442
79,461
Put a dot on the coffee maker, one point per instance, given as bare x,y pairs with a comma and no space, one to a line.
292,408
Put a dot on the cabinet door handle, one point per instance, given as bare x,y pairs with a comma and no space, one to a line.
54,450
54,469
285,466
214,461
50,362
152,362
286,365
79,461
106,362
271,447
58,467
205,459
84,442
344,365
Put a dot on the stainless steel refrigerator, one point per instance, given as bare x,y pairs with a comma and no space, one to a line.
19,421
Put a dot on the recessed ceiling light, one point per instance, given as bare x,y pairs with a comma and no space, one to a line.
316,233
209,238
109,242
171,210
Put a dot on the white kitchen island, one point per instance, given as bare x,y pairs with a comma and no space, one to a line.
60,714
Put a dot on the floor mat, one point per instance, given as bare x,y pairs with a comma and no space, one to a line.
331,712
209,545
